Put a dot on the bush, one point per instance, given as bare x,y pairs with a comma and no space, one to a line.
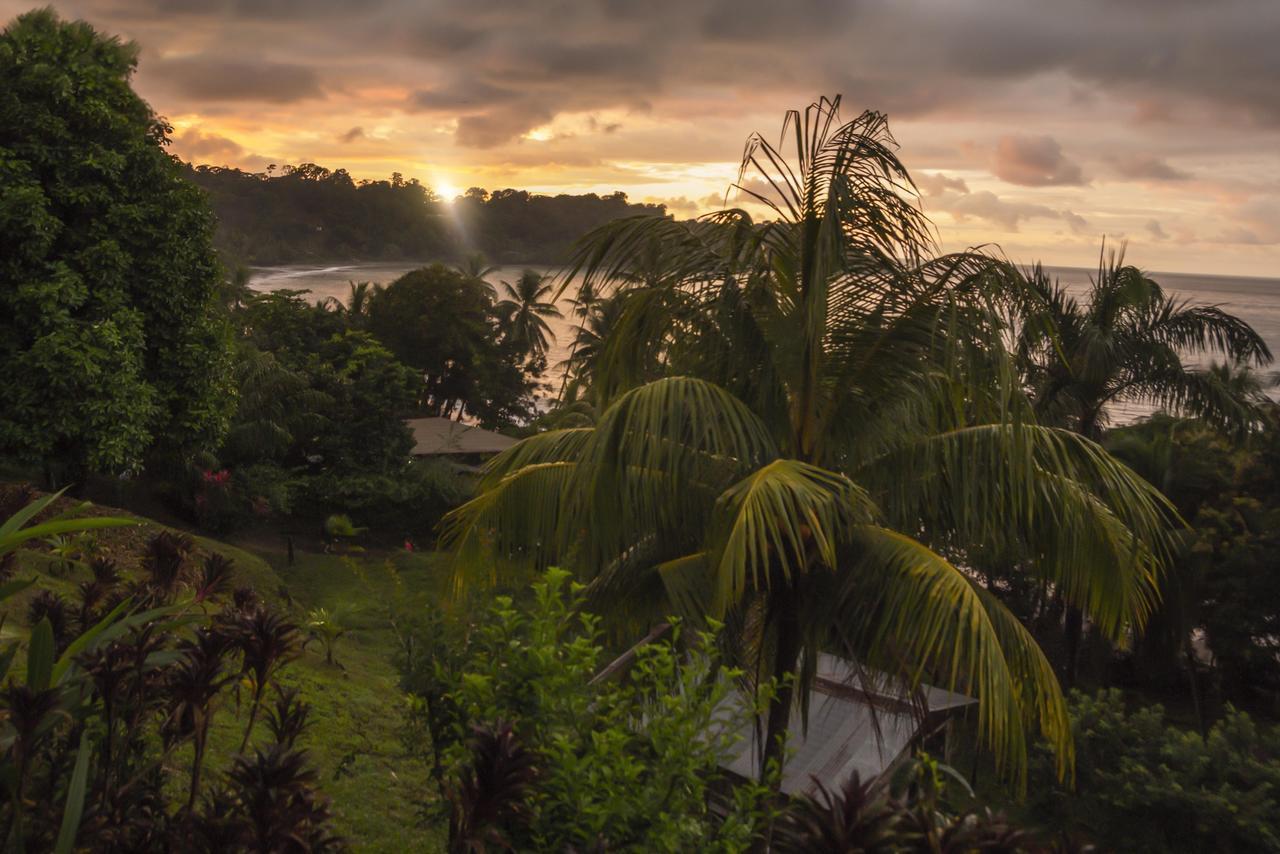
106,729
1144,786
537,758
409,502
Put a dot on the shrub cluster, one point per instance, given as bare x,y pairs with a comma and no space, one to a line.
106,731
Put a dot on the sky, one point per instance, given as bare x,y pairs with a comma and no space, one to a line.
1037,126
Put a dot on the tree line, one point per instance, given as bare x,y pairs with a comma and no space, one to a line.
308,213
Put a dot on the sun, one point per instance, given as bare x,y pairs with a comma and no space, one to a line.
446,190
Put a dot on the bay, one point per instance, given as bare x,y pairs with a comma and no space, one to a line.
1254,300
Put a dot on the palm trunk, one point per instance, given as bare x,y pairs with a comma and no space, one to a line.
784,665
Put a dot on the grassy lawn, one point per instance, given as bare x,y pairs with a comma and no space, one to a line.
379,792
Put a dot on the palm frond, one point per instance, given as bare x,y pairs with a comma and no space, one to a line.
513,524
1045,494
920,616
658,457
563,445
787,517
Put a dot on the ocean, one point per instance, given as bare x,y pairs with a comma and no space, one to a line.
1254,300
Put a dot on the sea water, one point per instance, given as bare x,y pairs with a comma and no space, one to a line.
1254,300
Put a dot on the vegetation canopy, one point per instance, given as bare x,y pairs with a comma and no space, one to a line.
811,428
110,333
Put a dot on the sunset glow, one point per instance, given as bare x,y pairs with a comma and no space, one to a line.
1024,128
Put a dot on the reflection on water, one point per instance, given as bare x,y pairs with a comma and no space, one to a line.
1257,301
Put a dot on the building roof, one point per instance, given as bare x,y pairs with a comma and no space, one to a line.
437,436
857,721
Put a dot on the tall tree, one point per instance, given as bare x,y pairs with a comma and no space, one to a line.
356,308
1126,344
524,309
111,336
443,323
839,441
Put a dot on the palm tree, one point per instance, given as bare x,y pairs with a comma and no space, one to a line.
597,327
524,309
1125,345
838,441
356,308
234,291
475,267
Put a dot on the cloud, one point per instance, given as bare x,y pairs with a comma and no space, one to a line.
679,205
1255,222
353,134
985,205
196,146
1146,168
665,91
1154,228
206,78
1034,161
935,184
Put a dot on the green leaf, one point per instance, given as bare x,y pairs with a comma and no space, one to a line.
40,655
20,518
75,798
9,588
86,640
11,541
787,515
6,659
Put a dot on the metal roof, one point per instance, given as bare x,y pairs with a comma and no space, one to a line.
859,720
437,436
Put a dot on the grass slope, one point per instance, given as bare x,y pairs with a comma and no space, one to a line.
379,791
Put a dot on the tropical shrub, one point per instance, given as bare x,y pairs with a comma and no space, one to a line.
536,756
901,812
105,731
1142,785
408,502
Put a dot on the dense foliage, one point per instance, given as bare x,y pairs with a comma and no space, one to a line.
533,754
107,728
448,326
113,346
320,426
1223,586
1144,786
540,747
296,214
814,416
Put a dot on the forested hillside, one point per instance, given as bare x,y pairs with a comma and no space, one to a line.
299,214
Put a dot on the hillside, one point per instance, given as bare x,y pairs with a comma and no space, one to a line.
309,213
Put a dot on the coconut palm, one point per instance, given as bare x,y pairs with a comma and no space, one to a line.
356,308
589,338
524,309
475,267
838,440
1125,344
